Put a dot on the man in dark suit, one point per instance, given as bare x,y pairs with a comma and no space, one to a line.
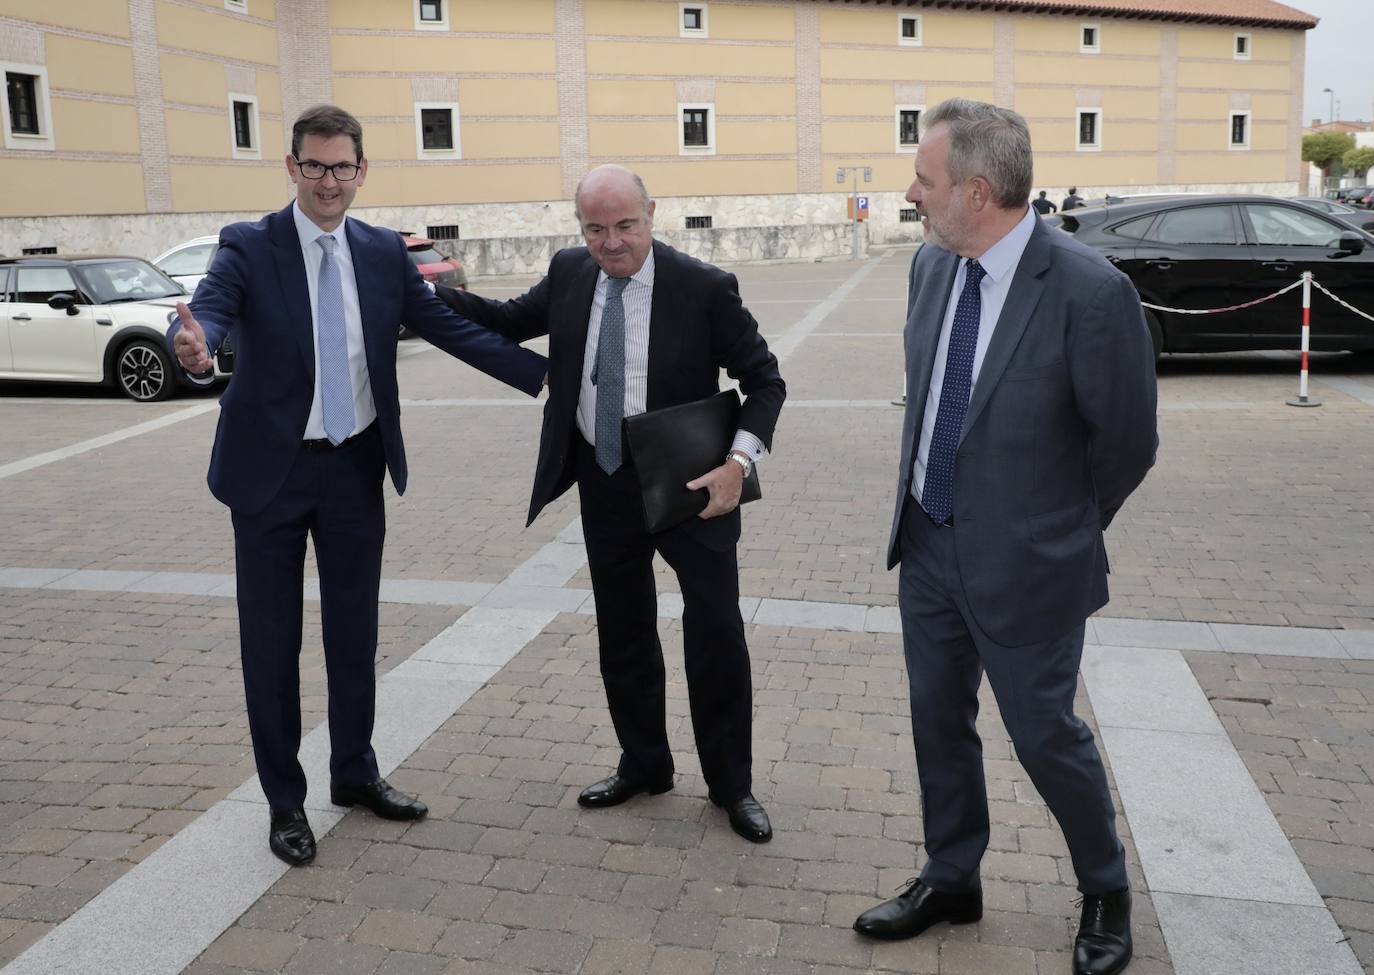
1031,419
634,325
306,430
1073,201
1042,204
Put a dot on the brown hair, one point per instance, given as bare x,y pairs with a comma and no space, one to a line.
327,121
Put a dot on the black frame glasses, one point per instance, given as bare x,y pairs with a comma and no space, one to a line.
312,169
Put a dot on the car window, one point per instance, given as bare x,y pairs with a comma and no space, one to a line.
1134,228
1288,227
426,255
4,284
119,281
1196,225
38,284
189,260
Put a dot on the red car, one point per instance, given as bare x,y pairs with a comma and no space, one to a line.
433,266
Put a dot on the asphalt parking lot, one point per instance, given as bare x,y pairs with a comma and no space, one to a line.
1230,679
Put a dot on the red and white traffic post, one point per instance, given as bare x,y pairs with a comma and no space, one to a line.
1302,399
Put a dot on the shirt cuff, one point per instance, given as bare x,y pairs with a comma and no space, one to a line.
748,444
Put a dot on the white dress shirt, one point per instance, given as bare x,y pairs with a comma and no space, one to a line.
999,261
364,409
638,299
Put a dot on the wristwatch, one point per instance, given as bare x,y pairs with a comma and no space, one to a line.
742,460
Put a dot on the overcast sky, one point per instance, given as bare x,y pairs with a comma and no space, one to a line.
1338,57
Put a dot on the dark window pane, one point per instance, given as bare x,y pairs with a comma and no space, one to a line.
691,18
909,27
1242,44
1197,225
1134,228
432,10
243,125
699,223
1238,130
909,128
23,95
1090,37
436,124
908,216
1087,129
694,127
442,231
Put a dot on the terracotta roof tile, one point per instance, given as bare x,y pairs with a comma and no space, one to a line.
1254,13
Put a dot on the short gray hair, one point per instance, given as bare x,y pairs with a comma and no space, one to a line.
987,141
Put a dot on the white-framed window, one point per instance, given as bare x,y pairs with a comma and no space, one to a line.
431,14
1240,130
27,108
237,6
908,119
1090,38
692,20
436,131
696,129
1089,130
909,30
1240,47
244,139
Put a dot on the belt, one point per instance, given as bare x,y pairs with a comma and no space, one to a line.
323,444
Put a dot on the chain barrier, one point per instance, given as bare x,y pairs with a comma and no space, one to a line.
1217,311
1341,301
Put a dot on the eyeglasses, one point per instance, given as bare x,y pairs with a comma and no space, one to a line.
343,172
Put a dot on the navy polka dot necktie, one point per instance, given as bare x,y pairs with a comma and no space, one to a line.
937,496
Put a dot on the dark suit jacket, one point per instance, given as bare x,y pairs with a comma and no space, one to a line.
697,325
1060,430
257,288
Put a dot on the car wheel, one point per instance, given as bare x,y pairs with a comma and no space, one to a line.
144,372
1156,332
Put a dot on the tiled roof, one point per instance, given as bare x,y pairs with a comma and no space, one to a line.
1241,13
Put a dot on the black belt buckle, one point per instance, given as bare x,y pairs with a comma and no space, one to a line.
322,444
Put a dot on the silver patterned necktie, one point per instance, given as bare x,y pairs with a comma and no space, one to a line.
336,382
609,377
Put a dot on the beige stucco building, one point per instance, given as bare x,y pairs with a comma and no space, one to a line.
165,118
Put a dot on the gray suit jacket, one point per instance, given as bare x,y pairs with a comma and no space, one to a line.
1060,430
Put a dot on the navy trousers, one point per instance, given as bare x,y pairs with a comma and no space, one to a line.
335,497
946,657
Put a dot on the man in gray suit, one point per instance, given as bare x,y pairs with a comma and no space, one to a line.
1030,419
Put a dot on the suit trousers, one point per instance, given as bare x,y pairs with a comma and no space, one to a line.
1034,685
620,554
335,497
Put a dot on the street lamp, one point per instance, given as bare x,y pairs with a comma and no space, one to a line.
868,178
1331,110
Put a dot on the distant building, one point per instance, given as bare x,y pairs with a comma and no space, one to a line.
170,116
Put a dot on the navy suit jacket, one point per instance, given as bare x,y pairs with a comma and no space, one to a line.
1060,430
257,289
697,324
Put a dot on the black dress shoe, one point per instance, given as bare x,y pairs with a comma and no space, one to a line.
379,797
747,818
291,838
1103,945
917,908
616,788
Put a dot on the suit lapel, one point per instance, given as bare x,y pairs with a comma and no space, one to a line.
290,264
1027,284
924,321
664,338
366,259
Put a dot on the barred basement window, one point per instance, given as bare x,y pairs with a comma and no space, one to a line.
699,223
908,216
29,251
443,231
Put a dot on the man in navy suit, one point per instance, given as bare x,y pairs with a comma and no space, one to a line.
307,428
1031,418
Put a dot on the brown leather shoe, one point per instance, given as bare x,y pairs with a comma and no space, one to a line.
379,797
917,908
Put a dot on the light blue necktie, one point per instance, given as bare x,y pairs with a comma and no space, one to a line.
937,497
609,377
336,382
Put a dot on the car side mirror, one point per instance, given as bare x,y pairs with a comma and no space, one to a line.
64,301
1351,243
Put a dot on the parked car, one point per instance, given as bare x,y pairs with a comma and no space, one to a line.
1343,212
90,320
433,266
1353,195
187,263
1205,252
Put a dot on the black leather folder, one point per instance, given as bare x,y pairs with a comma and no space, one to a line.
678,444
